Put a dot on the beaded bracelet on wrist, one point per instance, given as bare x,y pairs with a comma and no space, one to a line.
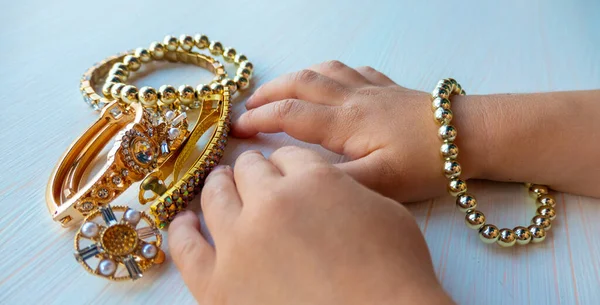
465,202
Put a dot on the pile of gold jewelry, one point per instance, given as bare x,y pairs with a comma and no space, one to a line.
153,141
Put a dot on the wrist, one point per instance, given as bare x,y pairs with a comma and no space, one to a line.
473,135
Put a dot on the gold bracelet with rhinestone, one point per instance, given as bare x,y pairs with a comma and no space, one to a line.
172,49
177,197
466,203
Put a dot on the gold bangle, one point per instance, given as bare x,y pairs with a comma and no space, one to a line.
118,68
134,155
488,233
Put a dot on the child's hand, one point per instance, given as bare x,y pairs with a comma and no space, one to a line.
387,131
295,230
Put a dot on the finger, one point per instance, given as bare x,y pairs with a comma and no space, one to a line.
341,73
306,85
221,202
253,171
312,123
370,171
290,159
375,76
192,254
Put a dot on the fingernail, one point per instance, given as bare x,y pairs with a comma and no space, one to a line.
249,102
221,167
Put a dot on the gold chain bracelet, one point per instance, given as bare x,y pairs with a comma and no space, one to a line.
466,203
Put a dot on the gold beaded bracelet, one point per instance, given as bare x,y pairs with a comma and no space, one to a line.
100,73
467,203
172,49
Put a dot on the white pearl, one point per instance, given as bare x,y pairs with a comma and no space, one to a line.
169,115
149,251
89,229
107,267
174,133
132,216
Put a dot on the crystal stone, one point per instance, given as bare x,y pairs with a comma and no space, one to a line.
115,112
143,151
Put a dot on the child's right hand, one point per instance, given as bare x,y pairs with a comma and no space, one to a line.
387,131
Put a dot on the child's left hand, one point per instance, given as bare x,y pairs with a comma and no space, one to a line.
387,131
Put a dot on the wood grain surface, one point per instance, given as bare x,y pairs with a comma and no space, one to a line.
508,46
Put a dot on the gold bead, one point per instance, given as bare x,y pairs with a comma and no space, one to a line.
542,222
547,211
457,187
443,116
201,41
452,81
244,72
186,42
239,58
187,94
449,151
129,94
148,96
446,81
447,133
168,94
489,234
120,73
106,89
241,82
457,89
202,91
216,88
445,86
440,92
229,54
120,66
507,238
113,79
219,78
171,43
157,50
247,65
536,191
133,63
546,200
523,235
452,169
143,54
537,234
115,91
439,102
229,84
215,48
466,203
475,219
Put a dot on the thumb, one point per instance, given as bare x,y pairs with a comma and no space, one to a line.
192,254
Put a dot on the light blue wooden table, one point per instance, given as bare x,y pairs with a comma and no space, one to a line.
508,46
